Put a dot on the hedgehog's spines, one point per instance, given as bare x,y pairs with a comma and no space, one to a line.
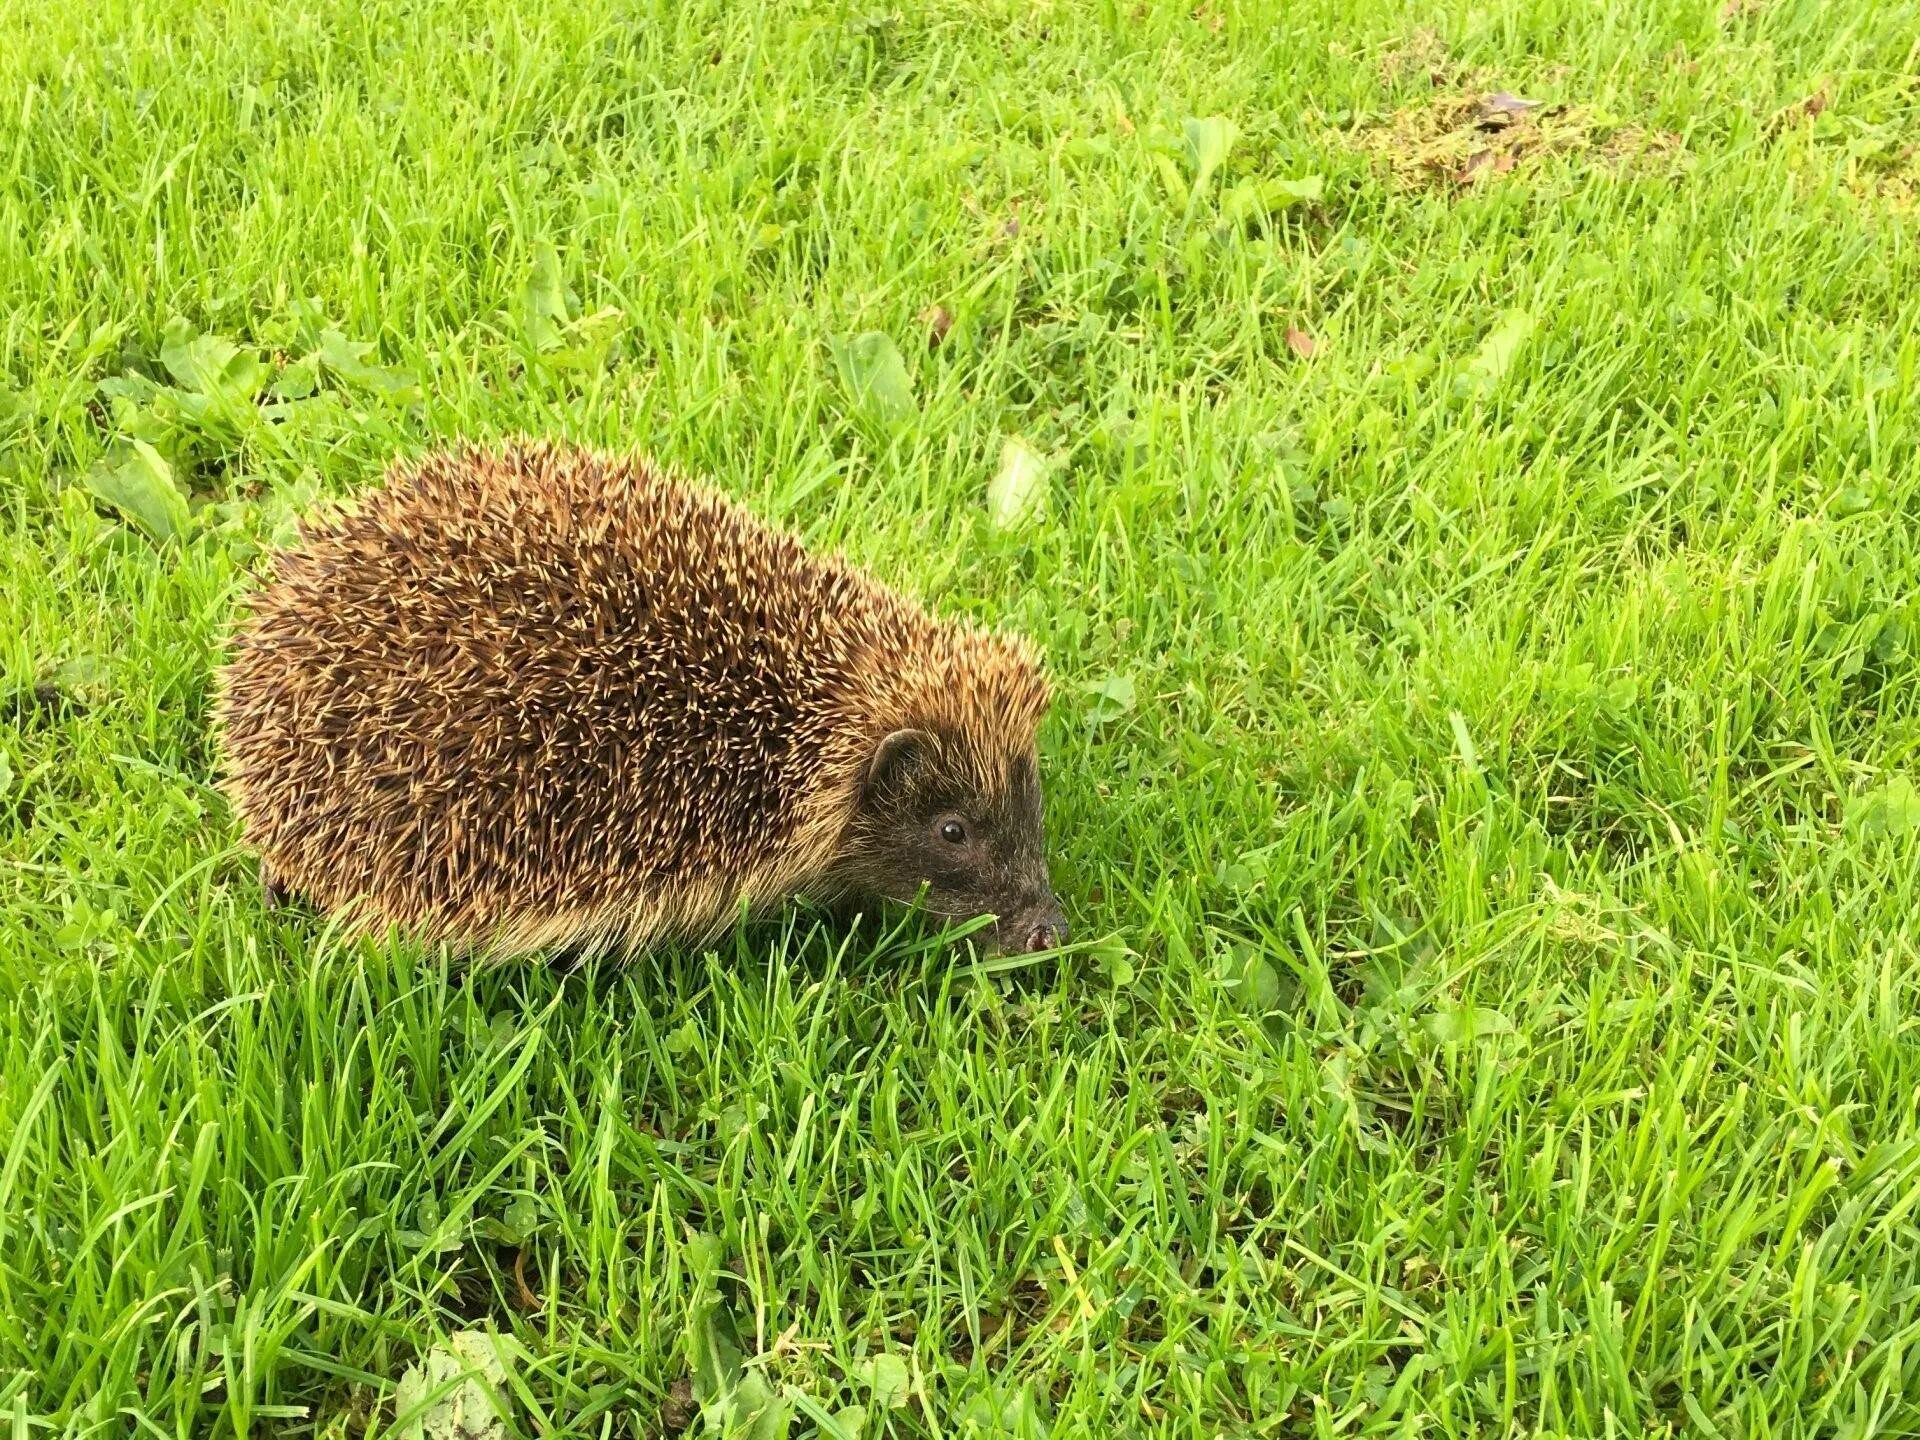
538,694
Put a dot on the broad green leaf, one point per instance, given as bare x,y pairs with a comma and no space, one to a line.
6,773
82,926
1463,1024
589,341
684,1038
887,1376
1248,869
712,1356
299,379
1255,983
1241,202
548,306
211,366
1307,190
79,673
876,376
128,390
1017,493
139,483
449,1394
1115,959
735,1399
1890,641
347,361
1498,351
1889,809
1270,197
850,1422
1004,1414
1208,141
1113,697
522,1219
706,1254
755,1411
1170,180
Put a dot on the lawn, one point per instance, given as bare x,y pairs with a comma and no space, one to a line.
1465,481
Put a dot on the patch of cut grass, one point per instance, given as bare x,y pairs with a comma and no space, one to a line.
1470,139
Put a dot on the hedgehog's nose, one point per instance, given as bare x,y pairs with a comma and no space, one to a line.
1047,931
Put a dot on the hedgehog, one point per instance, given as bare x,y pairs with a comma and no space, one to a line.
537,697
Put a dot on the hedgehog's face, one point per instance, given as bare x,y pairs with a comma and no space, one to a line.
968,830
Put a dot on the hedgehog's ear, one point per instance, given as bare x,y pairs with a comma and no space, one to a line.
893,760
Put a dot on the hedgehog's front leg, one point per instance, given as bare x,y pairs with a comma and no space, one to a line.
273,890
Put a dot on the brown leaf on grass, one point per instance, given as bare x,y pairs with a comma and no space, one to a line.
523,1296
1301,343
1734,9
1810,108
1499,110
1210,17
938,320
677,1412
1469,172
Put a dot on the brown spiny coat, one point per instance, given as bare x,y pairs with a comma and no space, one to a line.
539,695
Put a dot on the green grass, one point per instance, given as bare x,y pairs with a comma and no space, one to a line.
1494,736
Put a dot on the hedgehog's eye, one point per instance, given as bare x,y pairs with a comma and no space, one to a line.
954,833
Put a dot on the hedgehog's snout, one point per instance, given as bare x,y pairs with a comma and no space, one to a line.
1048,934
1043,928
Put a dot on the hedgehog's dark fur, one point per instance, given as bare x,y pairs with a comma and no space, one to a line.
539,696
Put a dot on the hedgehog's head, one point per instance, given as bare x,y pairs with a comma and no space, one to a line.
949,809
